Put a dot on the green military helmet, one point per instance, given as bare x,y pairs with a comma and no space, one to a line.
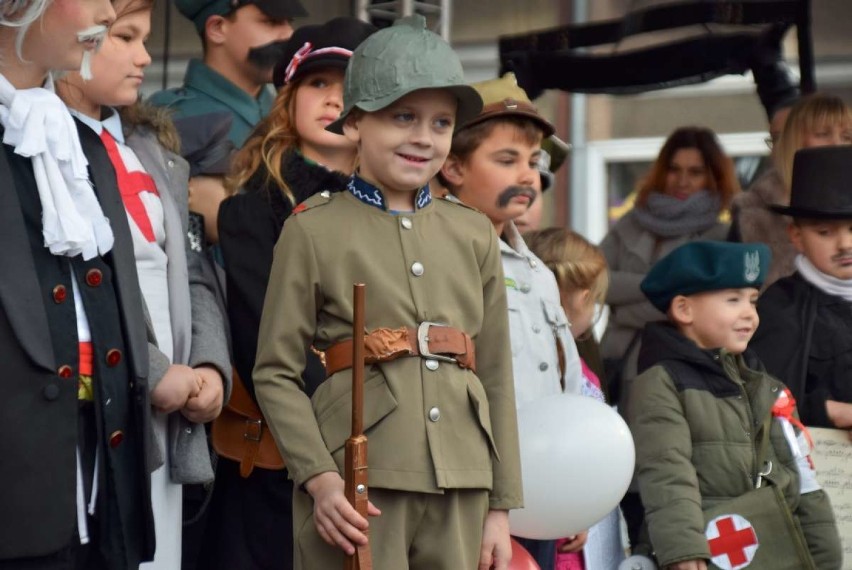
401,59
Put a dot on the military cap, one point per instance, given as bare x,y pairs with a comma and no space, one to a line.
199,10
204,143
701,266
315,47
399,60
504,98
822,184
554,151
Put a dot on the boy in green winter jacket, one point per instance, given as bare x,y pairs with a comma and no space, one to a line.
699,413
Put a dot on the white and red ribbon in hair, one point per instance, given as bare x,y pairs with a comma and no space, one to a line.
307,52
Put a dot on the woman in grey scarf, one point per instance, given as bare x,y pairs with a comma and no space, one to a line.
690,184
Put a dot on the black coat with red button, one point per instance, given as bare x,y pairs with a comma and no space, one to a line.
40,366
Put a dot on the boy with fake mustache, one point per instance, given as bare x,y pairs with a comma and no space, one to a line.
493,167
241,40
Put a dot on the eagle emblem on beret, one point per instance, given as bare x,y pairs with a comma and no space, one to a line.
752,266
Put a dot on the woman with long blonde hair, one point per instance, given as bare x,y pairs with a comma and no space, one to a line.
288,158
819,119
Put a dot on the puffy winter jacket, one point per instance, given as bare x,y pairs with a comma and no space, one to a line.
695,418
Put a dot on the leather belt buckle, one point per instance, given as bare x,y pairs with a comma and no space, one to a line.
254,430
423,342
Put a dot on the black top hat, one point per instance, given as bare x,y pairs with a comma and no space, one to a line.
822,184
313,47
204,143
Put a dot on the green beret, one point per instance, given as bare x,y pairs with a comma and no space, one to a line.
701,266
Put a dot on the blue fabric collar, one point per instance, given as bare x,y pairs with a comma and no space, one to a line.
372,196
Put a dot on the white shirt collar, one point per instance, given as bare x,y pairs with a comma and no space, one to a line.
112,123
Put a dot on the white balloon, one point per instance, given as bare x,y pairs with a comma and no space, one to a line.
577,459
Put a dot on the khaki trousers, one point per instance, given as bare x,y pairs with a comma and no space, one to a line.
416,531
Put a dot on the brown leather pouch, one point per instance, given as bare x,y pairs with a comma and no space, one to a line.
240,433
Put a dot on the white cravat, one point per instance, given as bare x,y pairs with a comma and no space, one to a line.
826,283
38,125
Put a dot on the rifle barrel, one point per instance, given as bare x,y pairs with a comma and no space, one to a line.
358,359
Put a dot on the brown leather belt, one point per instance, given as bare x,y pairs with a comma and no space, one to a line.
432,341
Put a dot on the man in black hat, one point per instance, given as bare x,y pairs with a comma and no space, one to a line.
241,41
805,333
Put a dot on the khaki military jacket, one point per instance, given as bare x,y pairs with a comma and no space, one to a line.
430,427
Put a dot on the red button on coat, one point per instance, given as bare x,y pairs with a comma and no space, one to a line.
59,294
65,371
116,438
113,357
94,277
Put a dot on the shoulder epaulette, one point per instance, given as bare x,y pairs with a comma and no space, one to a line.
318,199
451,199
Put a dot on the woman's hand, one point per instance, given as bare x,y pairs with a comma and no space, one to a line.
575,543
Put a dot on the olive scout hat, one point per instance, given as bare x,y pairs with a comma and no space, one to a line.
702,266
822,184
199,10
503,97
401,59
317,47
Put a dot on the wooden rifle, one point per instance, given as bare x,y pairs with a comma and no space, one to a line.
355,467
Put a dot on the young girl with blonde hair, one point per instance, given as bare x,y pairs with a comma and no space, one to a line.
581,273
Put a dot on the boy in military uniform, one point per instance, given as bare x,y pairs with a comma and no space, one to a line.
711,426
807,333
237,37
439,413
493,166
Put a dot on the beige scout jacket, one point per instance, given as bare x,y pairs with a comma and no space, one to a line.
428,430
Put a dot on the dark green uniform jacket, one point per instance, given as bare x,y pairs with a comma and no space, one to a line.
696,445
206,91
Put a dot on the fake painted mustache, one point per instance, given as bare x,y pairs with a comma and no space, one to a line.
513,191
266,56
96,35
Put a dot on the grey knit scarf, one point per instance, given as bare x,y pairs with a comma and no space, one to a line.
667,216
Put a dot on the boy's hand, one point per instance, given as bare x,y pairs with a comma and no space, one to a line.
688,565
576,543
496,550
839,413
337,522
178,385
206,405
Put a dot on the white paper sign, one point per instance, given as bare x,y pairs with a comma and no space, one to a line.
832,457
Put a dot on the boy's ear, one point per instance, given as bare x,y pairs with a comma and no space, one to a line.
453,171
350,128
680,310
215,30
794,232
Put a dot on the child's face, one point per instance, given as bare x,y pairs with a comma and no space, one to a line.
827,244
248,27
52,41
718,319
579,307
319,101
402,146
119,66
498,178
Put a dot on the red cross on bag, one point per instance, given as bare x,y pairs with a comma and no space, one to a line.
732,540
130,184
